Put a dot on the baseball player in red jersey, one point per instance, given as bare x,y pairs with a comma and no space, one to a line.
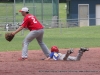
36,31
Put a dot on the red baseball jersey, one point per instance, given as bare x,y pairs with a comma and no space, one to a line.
31,23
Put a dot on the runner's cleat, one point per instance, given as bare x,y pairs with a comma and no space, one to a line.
70,51
84,49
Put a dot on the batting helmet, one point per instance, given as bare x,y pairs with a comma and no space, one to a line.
54,49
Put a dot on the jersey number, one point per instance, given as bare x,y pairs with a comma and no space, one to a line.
34,21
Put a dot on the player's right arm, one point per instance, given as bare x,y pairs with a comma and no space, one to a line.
23,25
48,58
19,29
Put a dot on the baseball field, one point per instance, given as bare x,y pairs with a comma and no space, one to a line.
64,38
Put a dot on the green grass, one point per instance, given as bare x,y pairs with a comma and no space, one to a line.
63,38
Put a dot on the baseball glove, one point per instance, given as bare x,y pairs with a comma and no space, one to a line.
9,36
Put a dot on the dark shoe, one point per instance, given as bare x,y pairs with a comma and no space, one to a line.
84,49
21,59
70,51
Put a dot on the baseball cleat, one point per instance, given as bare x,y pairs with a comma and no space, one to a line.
70,51
84,49
21,59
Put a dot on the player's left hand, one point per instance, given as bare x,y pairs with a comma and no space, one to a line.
9,36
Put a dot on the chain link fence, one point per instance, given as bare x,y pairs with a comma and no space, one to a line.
7,14
42,9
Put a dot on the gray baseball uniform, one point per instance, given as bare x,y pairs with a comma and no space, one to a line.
38,34
61,56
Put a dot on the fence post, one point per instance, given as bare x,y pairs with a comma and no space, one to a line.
24,2
55,4
14,15
42,10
